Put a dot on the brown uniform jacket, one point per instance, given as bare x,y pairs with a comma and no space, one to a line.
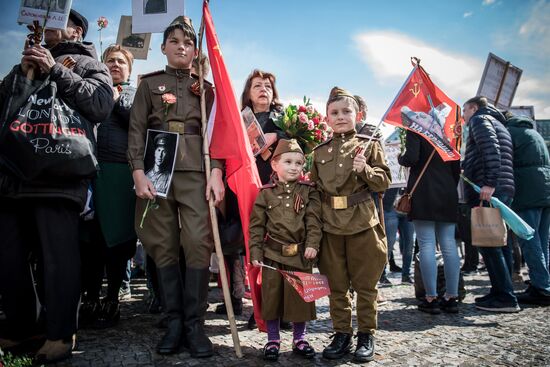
289,213
332,171
149,112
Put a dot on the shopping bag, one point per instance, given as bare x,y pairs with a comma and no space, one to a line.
488,229
47,140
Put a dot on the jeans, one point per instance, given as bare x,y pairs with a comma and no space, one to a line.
395,222
535,251
428,234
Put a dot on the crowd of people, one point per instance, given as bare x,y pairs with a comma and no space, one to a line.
340,215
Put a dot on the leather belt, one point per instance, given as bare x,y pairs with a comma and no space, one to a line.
344,202
182,128
286,249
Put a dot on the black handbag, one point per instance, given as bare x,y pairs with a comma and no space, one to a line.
47,140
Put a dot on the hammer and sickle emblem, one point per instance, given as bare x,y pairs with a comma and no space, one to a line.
415,90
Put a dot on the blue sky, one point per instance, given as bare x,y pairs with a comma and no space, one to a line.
363,46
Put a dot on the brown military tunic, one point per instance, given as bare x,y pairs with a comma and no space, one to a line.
183,217
285,213
353,250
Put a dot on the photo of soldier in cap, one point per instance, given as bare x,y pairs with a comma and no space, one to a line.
159,159
154,6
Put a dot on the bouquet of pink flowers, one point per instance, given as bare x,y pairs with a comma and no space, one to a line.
305,124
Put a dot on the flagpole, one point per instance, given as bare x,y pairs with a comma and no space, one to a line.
212,208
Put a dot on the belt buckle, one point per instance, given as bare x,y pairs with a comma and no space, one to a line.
176,127
289,250
339,202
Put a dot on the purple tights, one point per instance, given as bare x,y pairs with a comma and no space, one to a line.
273,326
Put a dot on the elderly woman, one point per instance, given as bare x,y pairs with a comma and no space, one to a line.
111,238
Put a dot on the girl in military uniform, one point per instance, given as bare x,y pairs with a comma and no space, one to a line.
347,169
285,232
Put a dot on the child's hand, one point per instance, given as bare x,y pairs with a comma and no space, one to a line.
310,253
144,187
256,263
359,163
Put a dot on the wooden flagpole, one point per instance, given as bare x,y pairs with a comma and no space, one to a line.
213,216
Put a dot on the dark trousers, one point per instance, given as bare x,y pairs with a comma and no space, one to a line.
471,254
97,257
48,227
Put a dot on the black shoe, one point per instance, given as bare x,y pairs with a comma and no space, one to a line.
406,279
429,307
109,315
449,306
339,347
494,305
251,325
285,325
394,267
532,296
88,313
302,348
196,293
484,298
271,351
237,307
384,281
171,289
365,348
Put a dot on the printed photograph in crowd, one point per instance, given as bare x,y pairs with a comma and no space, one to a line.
160,159
136,43
153,16
58,12
254,130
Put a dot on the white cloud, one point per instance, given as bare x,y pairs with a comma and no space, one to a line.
388,55
468,14
487,2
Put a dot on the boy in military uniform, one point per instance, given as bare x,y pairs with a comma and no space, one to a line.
169,100
285,233
347,170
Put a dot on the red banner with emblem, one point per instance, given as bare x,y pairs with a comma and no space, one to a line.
422,107
309,286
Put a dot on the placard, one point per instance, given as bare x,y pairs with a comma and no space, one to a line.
58,15
160,159
399,174
499,81
136,43
153,16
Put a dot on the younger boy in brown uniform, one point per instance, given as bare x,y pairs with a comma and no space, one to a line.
285,232
353,249
182,218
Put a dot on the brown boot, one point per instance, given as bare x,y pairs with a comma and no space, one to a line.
54,351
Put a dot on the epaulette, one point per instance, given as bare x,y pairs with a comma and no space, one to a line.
308,183
323,143
367,137
158,72
268,186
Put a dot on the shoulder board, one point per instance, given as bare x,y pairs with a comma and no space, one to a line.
308,183
206,82
268,186
158,72
323,143
367,137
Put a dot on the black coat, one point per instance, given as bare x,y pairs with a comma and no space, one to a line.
436,196
265,119
488,160
86,87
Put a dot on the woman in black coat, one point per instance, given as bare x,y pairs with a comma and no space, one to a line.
434,209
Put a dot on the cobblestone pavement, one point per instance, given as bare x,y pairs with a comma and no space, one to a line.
406,337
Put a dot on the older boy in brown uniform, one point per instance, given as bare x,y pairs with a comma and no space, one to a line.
182,218
353,249
285,233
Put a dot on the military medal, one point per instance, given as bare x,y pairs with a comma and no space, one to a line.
329,149
298,203
195,88
162,88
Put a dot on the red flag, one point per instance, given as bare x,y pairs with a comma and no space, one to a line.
309,286
422,107
230,142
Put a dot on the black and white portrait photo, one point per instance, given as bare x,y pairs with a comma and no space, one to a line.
159,160
154,6
153,16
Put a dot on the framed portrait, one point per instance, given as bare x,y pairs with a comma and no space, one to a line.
160,159
136,43
58,15
153,16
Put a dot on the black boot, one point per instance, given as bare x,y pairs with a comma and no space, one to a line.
171,289
196,293
237,307
339,347
365,348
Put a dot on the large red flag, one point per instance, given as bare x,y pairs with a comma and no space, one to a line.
422,107
230,142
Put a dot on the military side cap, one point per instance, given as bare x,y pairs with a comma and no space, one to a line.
287,146
161,139
337,92
79,20
184,21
